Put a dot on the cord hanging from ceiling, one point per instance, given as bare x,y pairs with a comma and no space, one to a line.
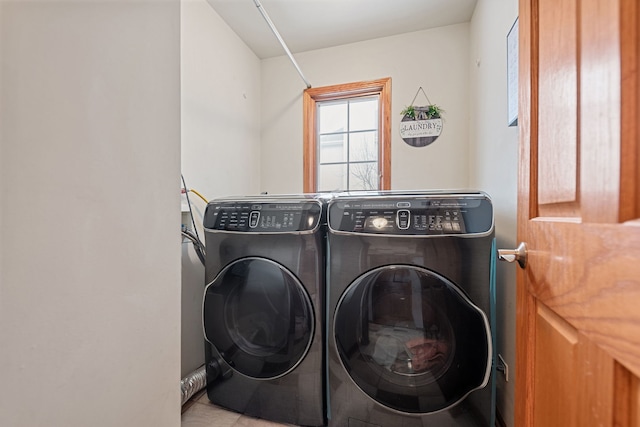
284,45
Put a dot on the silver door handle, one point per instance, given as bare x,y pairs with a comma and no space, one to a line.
510,255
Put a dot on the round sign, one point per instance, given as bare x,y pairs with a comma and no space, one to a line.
420,126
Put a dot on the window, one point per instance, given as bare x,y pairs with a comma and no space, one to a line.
347,137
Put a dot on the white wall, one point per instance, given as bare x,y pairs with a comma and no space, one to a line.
494,154
220,94
220,105
89,278
436,60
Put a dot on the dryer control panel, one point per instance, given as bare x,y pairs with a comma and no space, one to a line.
415,216
260,217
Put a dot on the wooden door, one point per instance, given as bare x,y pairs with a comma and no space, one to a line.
578,303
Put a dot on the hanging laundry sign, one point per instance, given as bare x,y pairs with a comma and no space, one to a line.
420,126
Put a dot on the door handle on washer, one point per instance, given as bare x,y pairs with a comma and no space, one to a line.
510,255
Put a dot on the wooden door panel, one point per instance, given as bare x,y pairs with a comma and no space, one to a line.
630,110
558,119
600,98
578,301
595,384
555,363
574,383
627,398
590,275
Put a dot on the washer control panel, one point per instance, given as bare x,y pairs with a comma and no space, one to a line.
262,217
417,216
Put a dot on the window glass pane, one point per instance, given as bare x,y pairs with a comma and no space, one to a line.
333,148
363,146
363,114
348,144
332,177
363,176
332,117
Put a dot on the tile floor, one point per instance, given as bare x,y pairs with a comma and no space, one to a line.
199,412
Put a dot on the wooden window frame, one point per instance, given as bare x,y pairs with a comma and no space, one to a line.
380,87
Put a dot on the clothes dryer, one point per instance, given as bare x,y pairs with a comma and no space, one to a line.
409,304
263,306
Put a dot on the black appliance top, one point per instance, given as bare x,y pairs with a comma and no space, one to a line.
412,213
263,214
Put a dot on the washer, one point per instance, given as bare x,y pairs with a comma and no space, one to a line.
263,312
409,303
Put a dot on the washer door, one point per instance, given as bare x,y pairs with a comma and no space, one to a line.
259,317
411,339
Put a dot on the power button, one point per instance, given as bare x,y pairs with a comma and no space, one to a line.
254,216
403,219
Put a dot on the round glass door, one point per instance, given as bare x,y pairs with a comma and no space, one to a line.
411,339
259,317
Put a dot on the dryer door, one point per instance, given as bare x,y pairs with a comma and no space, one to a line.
259,317
411,339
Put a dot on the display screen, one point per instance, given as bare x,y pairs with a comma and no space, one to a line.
412,216
262,217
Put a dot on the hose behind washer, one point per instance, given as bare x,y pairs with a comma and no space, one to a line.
193,383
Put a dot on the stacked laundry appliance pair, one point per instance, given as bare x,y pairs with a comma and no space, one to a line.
352,309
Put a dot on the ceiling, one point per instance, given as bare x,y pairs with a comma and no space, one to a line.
315,24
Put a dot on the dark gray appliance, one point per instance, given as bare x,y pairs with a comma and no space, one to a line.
263,312
409,335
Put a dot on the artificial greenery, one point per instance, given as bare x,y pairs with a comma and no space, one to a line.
422,113
409,111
